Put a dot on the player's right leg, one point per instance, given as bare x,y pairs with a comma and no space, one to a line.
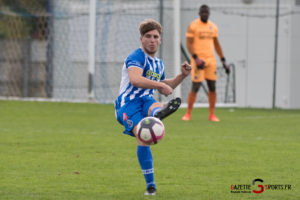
197,76
191,100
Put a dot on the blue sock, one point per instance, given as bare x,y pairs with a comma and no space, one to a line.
146,162
154,111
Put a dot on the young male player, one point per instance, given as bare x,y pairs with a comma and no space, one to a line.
201,41
142,75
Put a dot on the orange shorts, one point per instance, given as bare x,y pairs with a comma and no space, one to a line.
209,72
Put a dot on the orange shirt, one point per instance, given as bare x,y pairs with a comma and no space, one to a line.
203,34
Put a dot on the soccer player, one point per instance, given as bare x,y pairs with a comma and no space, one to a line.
201,40
142,75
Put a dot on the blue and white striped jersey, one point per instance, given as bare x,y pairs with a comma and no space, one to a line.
153,69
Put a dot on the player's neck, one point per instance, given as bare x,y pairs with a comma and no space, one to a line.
152,55
204,22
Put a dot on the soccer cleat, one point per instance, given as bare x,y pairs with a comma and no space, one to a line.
150,191
186,117
213,118
167,110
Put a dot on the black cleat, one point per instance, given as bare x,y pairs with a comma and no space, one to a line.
151,191
167,110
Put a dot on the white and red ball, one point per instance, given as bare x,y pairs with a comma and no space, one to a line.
150,130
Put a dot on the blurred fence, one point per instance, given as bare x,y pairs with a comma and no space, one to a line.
45,53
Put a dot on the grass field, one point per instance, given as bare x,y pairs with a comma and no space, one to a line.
74,151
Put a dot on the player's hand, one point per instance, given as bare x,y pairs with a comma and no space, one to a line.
199,62
226,66
165,89
186,68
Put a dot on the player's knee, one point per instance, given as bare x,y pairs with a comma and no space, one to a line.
212,89
211,85
195,87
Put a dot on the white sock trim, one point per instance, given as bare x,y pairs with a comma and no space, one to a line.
148,171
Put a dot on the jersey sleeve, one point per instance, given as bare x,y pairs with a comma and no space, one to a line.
215,31
136,59
190,31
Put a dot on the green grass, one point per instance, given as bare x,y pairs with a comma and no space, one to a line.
77,151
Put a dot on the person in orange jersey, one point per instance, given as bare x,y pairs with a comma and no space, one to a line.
201,41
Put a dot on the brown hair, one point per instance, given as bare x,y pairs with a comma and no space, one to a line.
149,25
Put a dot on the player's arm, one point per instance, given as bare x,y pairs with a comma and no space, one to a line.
218,47
185,71
137,80
174,82
189,44
221,55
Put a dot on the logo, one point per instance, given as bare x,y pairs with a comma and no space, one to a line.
258,187
147,121
153,74
130,123
125,117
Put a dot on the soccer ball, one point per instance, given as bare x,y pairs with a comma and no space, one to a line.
150,130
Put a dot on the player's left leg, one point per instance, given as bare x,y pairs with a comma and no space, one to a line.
129,116
212,97
145,159
211,78
144,153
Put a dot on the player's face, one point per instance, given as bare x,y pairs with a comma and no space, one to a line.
150,42
204,14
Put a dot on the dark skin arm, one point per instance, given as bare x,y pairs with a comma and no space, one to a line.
189,45
221,55
218,47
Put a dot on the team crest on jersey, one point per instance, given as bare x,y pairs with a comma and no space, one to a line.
130,123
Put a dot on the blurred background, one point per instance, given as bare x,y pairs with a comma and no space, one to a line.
73,50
